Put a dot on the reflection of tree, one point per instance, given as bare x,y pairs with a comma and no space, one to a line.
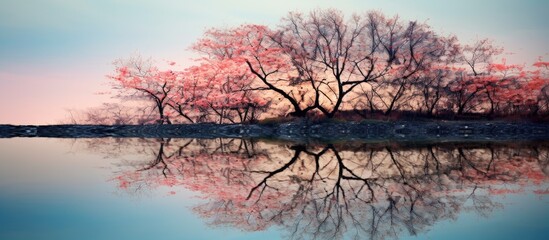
334,191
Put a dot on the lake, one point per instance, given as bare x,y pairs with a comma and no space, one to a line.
159,188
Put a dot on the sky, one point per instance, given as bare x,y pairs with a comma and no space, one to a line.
55,54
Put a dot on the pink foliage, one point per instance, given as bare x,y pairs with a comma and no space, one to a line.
541,191
505,191
541,64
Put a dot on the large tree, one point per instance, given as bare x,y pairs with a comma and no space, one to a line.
315,61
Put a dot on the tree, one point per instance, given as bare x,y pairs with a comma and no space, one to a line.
479,55
432,87
536,89
138,78
501,80
432,84
470,80
114,114
229,50
314,62
223,87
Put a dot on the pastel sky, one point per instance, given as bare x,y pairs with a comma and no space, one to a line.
54,54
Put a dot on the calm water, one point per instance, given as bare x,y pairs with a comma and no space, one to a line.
235,189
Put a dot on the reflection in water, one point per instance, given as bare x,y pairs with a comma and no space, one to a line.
362,191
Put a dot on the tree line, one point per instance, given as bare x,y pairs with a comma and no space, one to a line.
324,64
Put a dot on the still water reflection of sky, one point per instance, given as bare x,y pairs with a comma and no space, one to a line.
190,189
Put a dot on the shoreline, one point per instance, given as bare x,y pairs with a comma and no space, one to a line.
302,131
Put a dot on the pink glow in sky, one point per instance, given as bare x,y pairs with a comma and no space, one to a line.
54,54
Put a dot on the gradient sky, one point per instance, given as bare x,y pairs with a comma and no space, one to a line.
54,54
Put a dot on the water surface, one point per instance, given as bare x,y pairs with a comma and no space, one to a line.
113,188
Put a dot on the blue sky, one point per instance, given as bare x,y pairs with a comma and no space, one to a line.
54,54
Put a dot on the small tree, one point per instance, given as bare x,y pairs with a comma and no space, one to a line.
469,82
138,78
